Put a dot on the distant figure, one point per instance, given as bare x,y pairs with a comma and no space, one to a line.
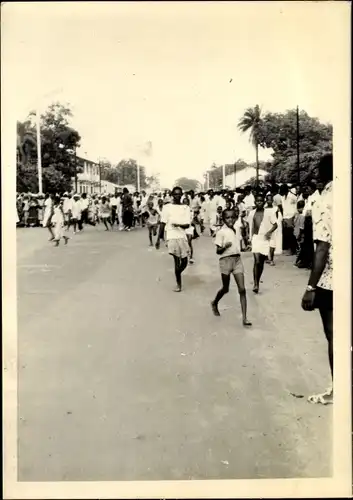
127,209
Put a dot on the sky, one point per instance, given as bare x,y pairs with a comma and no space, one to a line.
177,75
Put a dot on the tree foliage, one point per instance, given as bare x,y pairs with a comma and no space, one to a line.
124,173
251,121
279,132
58,140
187,184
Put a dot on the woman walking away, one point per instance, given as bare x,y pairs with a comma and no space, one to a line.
127,209
227,243
175,219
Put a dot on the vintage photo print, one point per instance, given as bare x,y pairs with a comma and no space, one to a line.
176,249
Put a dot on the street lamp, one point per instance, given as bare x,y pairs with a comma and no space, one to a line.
298,147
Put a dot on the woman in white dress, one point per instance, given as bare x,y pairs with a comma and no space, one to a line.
48,214
276,237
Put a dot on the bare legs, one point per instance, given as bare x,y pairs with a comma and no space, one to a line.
239,279
327,322
258,268
191,248
180,265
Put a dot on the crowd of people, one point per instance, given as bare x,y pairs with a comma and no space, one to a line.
267,220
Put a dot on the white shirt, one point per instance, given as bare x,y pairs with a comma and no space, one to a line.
249,201
211,206
84,203
222,202
114,202
76,209
227,235
175,214
67,205
289,204
277,200
269,219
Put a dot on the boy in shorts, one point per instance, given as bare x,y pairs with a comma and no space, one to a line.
227,242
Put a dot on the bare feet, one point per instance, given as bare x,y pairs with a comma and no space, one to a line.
177,289
215,310
246,322
256,289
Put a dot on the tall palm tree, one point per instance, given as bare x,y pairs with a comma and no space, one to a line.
251,121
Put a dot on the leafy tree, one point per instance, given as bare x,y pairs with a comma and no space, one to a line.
58,138
187,184
124,173
252,121
279,132
26,142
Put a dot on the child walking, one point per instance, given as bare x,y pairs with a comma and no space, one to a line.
227,243
104,213
152,217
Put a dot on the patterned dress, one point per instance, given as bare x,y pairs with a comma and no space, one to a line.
323,232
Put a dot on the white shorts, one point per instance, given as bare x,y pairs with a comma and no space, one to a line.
260,245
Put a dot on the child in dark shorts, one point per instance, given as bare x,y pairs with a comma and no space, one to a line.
227,242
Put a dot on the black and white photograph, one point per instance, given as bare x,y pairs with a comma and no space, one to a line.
176,249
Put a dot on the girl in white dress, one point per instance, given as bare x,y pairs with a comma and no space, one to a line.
58,221
276,237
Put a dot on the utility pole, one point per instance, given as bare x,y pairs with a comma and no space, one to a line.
224,176
138,177
100,175
298,147
75,163
39,153
235,175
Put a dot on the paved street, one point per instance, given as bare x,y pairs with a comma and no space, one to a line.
122,379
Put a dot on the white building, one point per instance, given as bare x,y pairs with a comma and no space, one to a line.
241,177
88,179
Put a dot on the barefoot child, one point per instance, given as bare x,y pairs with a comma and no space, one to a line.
104,213
262,223
228,248
175,219
152,217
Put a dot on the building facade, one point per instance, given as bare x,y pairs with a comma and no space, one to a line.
239,179
88,180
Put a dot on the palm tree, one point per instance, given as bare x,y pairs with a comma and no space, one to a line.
251,120
26,141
